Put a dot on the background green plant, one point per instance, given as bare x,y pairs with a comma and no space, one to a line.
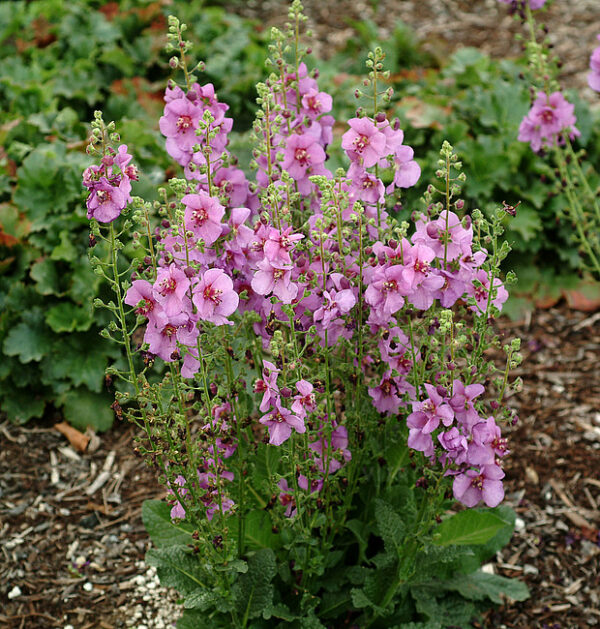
60,61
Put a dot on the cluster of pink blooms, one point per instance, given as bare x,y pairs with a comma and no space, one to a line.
594,75
469,446
549,119
109,185
224,257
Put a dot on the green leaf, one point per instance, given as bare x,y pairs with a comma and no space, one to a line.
69,317
82,408
29,340
66,250
20,405
480,585
45,275
258,531
468,527
80,359
253,591
156,516
177,568
201,599
389,526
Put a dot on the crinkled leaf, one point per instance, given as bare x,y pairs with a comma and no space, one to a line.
480,585
253,592
20,405
259,531
66,250
389,526
177,568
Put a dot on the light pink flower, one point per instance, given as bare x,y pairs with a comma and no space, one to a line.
215,298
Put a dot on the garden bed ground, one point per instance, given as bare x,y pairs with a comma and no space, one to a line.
71,554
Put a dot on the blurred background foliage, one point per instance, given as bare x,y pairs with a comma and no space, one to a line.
62,60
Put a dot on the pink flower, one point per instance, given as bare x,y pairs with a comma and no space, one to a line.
594,75
180,122
279,244
215,298
301,154
479,289
170,288
304,402
484,484
280,422
203,215
550,116
141,295
268,386
276,279
315,103
364,142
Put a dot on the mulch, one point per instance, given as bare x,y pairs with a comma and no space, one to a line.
72,541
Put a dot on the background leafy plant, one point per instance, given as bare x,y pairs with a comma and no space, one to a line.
60,62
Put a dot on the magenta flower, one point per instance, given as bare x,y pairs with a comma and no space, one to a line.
387,289
364,141
278,245
472,486
215,298
594,75
106,202
203,215
339,454
462,402
280,422
487,443
334,304
479,289
315,103
428,414
406,170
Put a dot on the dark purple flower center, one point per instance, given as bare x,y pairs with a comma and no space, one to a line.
184,123
360,143
212,294
199,216
301,156
390,285
169,330
145,306
167,286
421,266
477,482
103,196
